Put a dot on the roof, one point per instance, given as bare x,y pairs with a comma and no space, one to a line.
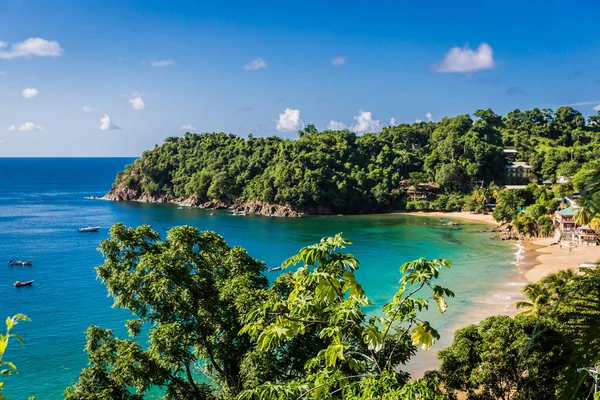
511,151
547,181
515,187
518,164
568,211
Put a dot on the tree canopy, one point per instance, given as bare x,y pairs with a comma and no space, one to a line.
339,171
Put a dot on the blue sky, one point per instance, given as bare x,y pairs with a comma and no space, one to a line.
151,68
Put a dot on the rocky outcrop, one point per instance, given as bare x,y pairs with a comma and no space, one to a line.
122,192
271,210
509,232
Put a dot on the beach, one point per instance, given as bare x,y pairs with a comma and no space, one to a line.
545,258
460,215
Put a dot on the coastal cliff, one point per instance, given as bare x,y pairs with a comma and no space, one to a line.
122,192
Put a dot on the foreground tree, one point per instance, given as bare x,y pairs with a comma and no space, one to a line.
217,331
362,356
6,367
501,358
189,291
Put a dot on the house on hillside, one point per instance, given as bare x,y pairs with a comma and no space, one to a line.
517,171
422,190
514,187
510,154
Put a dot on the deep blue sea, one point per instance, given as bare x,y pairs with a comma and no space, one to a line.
42,203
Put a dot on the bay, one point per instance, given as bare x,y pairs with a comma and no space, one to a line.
42,203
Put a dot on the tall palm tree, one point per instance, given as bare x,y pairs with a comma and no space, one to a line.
545,293
583,216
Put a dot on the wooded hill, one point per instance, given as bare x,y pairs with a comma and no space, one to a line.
342,172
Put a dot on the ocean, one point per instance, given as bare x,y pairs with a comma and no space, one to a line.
42,203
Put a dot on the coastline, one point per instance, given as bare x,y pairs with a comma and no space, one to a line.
460,215
546,259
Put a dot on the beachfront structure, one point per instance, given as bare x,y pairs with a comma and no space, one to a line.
518,171
585,235
564,219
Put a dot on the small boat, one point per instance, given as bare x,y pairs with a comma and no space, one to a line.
24,283
89,229
20,263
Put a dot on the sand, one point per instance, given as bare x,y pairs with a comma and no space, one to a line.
549,259
461,215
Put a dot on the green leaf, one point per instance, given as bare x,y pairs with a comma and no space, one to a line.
423,335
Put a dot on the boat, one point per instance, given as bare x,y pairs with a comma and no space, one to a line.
20,263
89,229
24,283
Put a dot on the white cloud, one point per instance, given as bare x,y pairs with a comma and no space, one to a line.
3,44
257,63
336,126
32,47
338,61
106,124
597,108
585,103
88,109
27,126
429,117
392,121
418,121
365,123
29,93
467,60
162,63
137,103
289,120
188,127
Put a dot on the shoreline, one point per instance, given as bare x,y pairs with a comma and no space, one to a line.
546,258
460,215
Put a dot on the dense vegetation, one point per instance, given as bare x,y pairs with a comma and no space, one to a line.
338,171
216,331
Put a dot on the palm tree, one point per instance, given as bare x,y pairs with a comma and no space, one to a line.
549,291
537,303
583,216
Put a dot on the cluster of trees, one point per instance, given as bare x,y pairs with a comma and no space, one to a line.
342,172
216,330
542,353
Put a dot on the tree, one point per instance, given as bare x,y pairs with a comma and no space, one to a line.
500,358
11,322
190,291
509,202
361,357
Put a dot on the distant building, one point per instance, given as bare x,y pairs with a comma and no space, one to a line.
517,172
510,154
514,187
562,179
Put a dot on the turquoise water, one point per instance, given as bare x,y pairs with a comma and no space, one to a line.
42,204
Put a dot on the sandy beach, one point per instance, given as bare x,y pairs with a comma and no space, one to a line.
548,259
461,215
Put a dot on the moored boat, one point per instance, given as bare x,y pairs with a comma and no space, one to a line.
20,263
23,283
89,229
